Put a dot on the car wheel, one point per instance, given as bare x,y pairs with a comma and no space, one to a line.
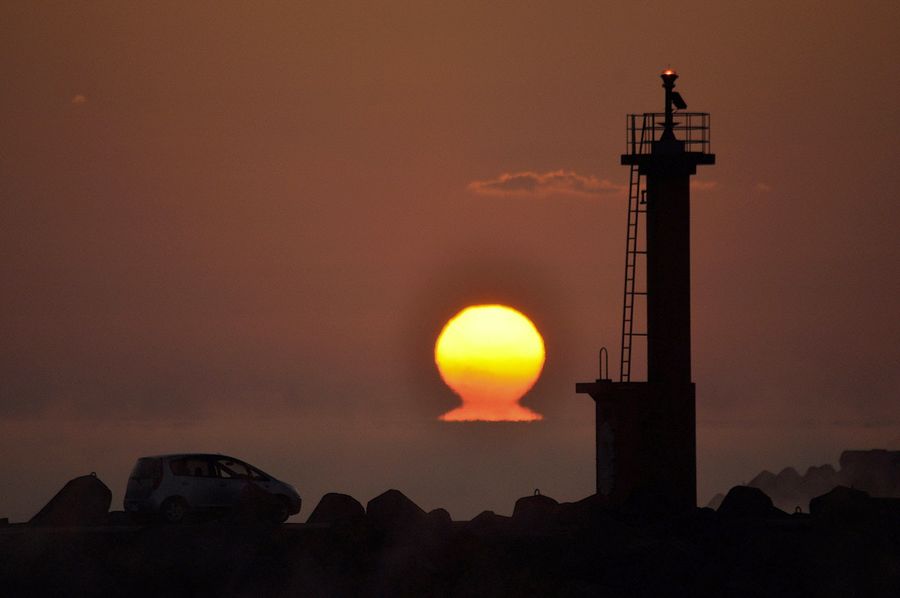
174,510
281,511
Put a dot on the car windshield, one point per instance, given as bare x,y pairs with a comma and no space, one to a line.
232,468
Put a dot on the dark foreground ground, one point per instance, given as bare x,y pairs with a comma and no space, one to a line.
849,547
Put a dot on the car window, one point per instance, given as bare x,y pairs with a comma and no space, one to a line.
147,468
230,468
256,475
196,467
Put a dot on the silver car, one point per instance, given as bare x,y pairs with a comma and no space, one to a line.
174,485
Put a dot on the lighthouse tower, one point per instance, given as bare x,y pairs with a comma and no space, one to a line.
646,431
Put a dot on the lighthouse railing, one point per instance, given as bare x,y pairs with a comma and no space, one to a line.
690,127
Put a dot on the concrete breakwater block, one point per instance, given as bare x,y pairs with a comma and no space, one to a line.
337,508
393,510
82,501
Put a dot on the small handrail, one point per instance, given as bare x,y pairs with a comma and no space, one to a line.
604,364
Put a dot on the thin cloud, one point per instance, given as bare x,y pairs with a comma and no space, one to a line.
536,184
763,187
79,99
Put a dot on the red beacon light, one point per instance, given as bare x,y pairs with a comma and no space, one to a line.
668,77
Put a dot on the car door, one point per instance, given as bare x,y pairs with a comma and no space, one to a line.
232,476
195,480
260,478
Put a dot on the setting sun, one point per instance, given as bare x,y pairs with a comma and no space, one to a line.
490,355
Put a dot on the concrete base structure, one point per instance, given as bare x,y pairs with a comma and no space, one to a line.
646,444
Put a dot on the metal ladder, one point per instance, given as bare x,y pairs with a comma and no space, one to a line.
636,206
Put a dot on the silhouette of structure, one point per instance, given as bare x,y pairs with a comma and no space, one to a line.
646,440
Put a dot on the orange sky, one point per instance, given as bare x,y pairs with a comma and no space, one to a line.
214,216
